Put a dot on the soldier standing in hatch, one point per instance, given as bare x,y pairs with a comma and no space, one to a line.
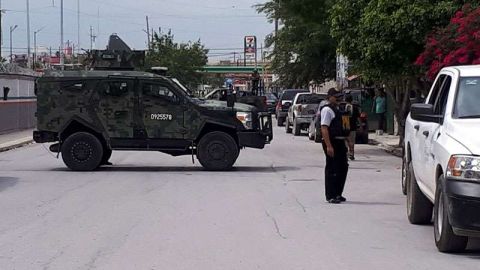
335,149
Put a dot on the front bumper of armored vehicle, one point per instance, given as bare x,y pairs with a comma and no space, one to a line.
261,135
45,136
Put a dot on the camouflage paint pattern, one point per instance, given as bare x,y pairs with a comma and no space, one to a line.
80,95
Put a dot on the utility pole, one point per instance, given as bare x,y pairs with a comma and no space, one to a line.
62,56
35,46
29,60
78,27
148,34
1,29
12,28
92,38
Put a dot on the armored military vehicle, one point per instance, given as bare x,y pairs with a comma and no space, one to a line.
87,114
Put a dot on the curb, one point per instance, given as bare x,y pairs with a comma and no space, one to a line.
394,150
15,144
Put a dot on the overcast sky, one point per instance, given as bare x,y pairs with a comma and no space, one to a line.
218,23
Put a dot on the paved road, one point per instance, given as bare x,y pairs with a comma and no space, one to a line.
152,211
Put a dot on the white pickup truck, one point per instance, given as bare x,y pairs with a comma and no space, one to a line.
442,158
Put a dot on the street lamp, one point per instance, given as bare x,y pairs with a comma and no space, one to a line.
35,46
12,28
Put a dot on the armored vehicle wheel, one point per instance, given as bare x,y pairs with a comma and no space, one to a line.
82,151
217,151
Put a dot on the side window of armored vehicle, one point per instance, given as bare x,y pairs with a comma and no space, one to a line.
159,91
115,89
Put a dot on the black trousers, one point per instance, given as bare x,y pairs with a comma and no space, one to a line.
336,169
381,121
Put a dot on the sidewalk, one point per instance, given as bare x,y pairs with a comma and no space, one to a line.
387,142
15,139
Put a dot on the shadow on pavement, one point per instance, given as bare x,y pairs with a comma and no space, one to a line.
7,182
128,168
370,203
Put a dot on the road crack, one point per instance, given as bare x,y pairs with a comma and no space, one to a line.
301,205
275,224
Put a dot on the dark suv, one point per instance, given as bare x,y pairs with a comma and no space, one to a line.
284,103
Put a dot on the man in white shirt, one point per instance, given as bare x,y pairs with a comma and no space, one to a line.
333,141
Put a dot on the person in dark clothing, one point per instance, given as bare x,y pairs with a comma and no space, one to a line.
334,146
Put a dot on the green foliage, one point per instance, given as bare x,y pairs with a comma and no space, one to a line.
183,60
383,38
303,49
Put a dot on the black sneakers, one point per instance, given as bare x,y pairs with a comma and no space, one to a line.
334,201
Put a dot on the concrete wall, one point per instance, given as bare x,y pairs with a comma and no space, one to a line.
18,111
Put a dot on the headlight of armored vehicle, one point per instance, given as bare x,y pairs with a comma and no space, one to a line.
466,168
246,119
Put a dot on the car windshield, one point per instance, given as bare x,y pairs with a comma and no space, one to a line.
270,96
310,99
468,97
289,95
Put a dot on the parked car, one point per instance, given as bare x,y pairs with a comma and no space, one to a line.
362,127
271,102
245,97
303,109
284,103
442,158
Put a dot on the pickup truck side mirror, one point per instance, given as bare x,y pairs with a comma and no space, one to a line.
425,113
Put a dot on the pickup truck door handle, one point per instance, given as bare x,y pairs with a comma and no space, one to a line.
417,127
426,133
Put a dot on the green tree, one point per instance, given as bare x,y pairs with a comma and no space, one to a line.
303,50
183,60
384,37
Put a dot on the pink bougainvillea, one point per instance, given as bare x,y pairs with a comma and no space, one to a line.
456,44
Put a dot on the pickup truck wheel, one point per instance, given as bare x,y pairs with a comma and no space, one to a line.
317,137
288,129
217,151
296,128
445,238
405,175
280,121
82,151
419,208
311,136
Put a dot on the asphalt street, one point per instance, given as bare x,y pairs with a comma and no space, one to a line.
153,211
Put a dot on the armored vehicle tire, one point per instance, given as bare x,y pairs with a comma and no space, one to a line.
445,238
217,151
82,151
419,208
296,128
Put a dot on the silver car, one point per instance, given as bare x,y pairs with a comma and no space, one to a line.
303,109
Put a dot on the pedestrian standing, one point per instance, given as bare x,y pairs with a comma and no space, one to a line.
380,108
354,114
334,137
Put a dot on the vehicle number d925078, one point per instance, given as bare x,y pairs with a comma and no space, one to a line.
161,117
